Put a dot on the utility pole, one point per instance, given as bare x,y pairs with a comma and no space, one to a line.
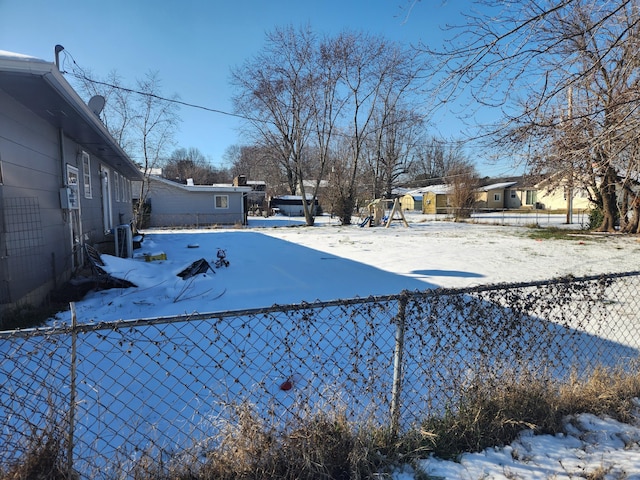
569,188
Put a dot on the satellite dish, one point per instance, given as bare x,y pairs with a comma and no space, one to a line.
96,104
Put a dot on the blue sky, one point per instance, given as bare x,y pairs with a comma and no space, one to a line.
192,44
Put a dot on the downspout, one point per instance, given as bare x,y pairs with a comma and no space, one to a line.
5,294
63,166
65,214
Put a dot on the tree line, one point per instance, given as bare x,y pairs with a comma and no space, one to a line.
351,111
564,75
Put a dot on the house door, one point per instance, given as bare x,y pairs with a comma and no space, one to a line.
105,177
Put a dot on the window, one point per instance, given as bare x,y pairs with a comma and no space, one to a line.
116,184
72,189
531,197
86,175
496,197
513,194
222,201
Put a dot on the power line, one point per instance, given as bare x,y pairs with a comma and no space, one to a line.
83,76
78,72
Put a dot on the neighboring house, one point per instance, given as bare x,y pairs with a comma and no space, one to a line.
494,196
510,194
64,181
549,193
257,198
521,197
291,205
552,194
310,187
435,199
177,205
430,199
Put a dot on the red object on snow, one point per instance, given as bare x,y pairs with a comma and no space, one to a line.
286,385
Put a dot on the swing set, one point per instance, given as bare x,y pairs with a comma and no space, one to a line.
377,210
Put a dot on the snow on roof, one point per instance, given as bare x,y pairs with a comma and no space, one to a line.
497,186
441,189
4,54
293,197
437,189
216,187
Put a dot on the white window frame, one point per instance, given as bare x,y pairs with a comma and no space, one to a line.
72,184
531,197
116,185
86,175
221,202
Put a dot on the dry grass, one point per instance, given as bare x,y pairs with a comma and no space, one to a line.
43,459
490,413
493,412
326,445
604,392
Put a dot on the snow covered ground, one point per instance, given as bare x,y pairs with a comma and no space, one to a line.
279,261
592,447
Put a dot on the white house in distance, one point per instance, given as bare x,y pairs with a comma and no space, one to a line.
64,180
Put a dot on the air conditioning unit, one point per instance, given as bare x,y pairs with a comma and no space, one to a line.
124,241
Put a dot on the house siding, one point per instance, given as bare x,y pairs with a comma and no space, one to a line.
513,198
556,199
176,206
435,203
37,251
33,253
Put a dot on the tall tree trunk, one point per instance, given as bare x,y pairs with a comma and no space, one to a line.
633,224
609,205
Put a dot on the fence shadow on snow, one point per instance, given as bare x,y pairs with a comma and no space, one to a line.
164,386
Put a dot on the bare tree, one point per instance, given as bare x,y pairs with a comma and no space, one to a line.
303,97
392,148
184,164
275,93
374,73
257,163
526,55
462,178
433,159
141,120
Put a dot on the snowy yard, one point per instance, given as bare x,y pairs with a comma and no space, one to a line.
271,264
279,261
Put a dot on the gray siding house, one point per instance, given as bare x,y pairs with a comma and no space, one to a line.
177,205
64,181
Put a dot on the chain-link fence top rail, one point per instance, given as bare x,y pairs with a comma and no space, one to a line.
166,387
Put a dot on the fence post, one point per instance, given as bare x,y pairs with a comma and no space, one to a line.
397,364
72,389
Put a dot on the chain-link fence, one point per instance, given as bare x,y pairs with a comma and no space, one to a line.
116,392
